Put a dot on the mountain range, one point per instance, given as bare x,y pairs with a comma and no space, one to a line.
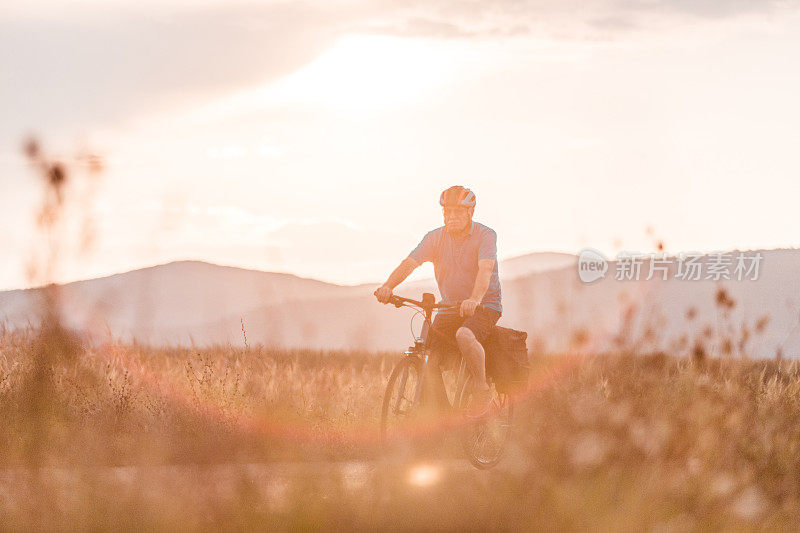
193,302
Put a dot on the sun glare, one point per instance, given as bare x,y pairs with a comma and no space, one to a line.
424,475
358,74
368,73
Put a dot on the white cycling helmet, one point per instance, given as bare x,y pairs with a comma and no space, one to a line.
457,196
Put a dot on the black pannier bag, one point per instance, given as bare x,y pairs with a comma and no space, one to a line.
507,359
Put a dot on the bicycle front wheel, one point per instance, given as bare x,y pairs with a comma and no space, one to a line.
485,439
400,399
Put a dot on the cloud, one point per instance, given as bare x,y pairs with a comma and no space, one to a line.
87,68
705,8
104,67
566,19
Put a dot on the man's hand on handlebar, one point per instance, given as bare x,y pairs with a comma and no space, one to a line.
468,307
383,294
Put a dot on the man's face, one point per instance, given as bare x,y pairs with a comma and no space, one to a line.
457,219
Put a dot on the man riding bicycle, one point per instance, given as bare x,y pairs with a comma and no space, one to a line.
464,256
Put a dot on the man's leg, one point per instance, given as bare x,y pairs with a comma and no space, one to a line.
473,352
469,336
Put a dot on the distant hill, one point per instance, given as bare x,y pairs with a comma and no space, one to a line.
759,317
178,295
181,295
192,301
538,262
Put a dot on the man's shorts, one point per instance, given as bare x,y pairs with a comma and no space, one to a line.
442,334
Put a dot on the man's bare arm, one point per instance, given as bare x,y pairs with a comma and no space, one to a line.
384,292
400,273
485,269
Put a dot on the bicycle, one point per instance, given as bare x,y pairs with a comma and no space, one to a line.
484,438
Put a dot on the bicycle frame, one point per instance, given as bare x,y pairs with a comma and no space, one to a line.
422,348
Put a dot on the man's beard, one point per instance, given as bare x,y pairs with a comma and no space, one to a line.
456,228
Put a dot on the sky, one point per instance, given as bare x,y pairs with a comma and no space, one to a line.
315,137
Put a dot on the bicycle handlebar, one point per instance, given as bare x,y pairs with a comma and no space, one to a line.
399,301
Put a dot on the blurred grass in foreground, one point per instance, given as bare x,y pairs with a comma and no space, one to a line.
130,437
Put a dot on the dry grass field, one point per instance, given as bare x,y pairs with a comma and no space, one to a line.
129,437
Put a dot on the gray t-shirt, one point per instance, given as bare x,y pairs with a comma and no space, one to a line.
455,262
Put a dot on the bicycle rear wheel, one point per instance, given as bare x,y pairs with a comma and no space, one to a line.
400,399
485,439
